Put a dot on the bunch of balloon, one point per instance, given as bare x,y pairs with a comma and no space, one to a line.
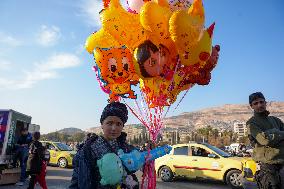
161,45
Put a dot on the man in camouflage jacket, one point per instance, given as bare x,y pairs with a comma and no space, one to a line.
267,135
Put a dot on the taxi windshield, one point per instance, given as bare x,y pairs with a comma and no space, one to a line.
217,150
63,147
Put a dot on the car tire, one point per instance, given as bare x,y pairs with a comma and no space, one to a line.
62,162
233,179
166,174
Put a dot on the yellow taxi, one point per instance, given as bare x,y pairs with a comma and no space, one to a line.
60,153
200,160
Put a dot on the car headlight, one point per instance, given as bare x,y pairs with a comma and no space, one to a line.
248,173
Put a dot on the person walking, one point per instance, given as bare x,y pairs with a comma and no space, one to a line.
36,166
22,152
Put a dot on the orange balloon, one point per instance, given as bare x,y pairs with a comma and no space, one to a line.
116,69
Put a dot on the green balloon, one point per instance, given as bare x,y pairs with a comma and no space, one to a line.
110,168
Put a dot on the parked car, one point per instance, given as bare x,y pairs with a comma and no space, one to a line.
200,160
60,153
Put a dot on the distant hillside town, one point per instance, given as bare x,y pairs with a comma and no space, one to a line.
218,126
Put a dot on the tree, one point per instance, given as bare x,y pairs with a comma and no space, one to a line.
186,140
178,137
135,140
130,141
173,137
140,139
244,140
144,136
78,137
63,137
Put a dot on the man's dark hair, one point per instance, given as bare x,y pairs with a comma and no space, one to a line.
255,96
143,53
24,129
36,135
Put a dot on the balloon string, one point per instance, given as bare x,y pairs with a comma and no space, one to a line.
160,121
146,114
96,70
147,107
183,96
168,109
136,115
139,110
149,174
176,67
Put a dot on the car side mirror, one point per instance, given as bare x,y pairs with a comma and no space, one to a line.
212,156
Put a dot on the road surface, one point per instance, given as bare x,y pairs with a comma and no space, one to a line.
58,178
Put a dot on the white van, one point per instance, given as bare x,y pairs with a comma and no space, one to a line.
235,147
11,124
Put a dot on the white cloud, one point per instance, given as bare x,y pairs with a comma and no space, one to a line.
5,65
42,71
6,83
59,61
8,40
90,10
48,36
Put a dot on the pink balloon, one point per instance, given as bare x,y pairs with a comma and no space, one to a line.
134,6
180,4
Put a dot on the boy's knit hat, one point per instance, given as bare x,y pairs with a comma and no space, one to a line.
115,109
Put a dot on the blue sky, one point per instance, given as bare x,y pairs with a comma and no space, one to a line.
46,73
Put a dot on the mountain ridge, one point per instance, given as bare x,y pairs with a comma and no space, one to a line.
219,117
70,130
